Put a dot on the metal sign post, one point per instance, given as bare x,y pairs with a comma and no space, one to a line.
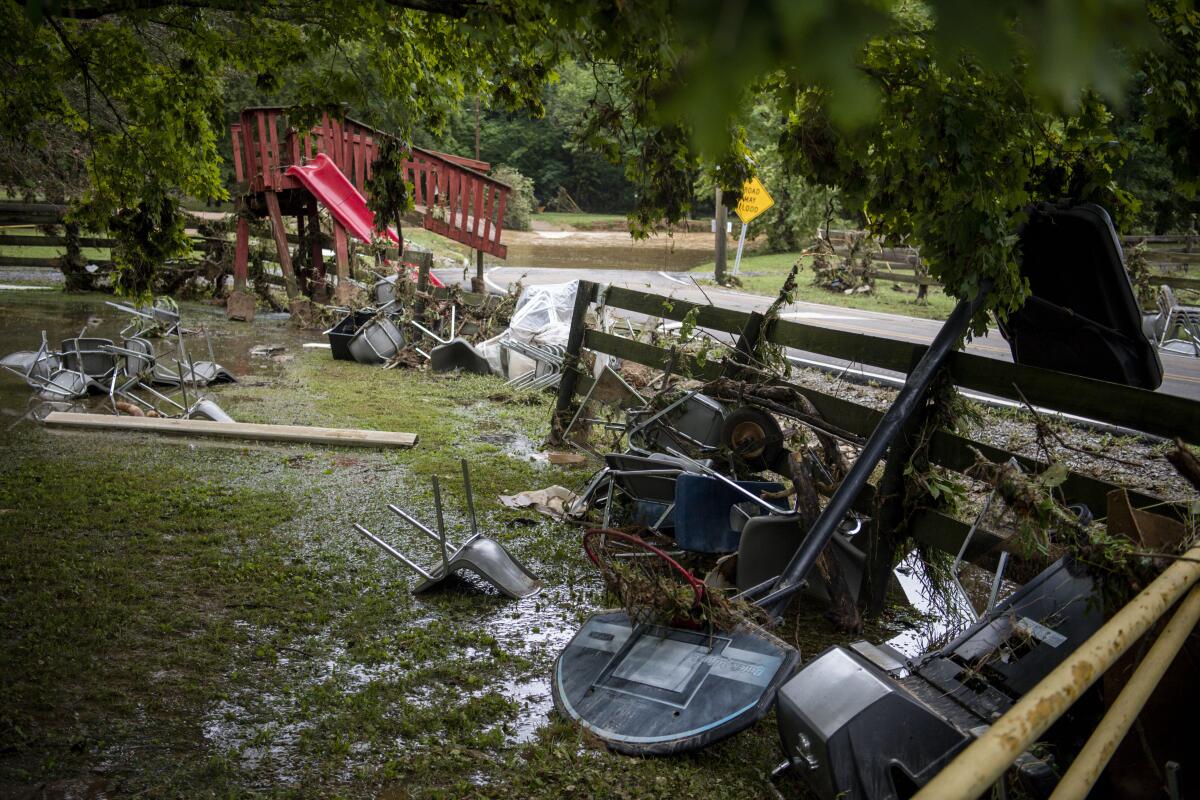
754,202
737,259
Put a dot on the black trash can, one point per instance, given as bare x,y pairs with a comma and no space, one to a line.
341,334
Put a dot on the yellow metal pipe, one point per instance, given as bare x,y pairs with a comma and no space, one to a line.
1086,768
979,766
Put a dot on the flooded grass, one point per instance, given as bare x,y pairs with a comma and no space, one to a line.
184,617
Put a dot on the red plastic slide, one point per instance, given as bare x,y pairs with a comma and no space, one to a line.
331,186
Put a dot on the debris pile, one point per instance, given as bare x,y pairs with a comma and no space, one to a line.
519,336
129,371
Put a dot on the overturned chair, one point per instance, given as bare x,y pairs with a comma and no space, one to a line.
478,554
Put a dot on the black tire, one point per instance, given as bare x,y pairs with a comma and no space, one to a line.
753,437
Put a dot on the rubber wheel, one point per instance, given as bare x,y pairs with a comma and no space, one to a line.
753,436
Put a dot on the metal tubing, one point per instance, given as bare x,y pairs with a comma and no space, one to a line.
1086,768
907,403
737,260
985,760
182,387
466,471
427,332
393,552
996,581
404,515
437,504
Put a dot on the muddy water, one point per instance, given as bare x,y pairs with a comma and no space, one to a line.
608,250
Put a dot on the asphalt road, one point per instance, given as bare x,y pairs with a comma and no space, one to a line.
1182,373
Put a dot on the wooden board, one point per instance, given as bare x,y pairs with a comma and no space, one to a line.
234,430
1151,412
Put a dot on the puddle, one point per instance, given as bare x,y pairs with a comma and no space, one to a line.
516,445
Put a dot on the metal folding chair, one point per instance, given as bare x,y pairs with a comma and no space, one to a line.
478,554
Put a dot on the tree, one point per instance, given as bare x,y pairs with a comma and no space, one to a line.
139,86
1035,80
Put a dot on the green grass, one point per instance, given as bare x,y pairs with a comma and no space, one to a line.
48,251
764,274
581,220
196,618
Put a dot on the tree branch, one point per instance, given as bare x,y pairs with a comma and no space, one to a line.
91,11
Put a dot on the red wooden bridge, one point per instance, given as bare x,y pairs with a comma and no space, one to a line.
453,194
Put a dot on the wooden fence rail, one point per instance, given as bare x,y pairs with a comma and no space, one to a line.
1150,412
1167,254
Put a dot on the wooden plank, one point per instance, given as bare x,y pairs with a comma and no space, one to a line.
419,175
281,245
487,213
30,214
500,219
241,255
247,146
33,263
648,354
359,167
452,200
234,430
585,295
476,219
53,241
264,152
239,172
1151,412
947,450
721,319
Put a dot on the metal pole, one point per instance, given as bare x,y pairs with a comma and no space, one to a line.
411,520
393,552
737,259
470,501
437,504
1086,768
985,760
187,408
719,224
907,403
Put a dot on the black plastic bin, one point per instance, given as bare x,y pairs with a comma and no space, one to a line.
341,334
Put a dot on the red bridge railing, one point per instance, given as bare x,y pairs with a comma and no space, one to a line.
457,200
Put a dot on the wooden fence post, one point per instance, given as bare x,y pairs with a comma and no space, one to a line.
585,293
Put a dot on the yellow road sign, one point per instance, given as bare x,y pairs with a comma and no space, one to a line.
754,202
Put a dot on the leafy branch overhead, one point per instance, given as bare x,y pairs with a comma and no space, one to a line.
938,122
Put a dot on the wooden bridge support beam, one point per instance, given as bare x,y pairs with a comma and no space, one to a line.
320,290
241,255
477,283
341,250
281,244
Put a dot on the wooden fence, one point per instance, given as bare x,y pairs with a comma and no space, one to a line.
1151,412
17,214
1167,254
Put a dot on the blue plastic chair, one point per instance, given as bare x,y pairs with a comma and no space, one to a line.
703,507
